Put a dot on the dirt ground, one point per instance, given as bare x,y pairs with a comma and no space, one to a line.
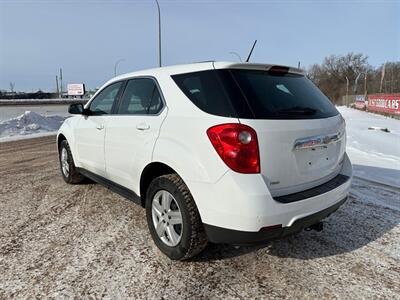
65,241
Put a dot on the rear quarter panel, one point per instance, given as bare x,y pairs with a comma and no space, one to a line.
183,143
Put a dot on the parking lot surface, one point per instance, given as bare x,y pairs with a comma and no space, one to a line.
59,240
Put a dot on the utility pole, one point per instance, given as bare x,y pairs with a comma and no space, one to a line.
365,84
61,85
58,90
382,77
159,34
391,81
347,91
356,83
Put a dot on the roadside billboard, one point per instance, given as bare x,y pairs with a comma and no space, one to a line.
387,103
360,101
76,89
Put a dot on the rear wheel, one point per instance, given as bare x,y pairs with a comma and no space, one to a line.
68,170
173,219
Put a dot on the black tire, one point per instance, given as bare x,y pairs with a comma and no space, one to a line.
73,175
194,238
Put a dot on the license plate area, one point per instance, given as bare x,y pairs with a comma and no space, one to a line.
314,159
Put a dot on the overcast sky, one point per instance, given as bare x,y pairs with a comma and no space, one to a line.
86,38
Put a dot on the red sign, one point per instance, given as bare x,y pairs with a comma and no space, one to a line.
388,103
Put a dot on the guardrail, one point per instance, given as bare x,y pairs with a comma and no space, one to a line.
41,101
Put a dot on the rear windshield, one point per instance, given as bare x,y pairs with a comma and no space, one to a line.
254,94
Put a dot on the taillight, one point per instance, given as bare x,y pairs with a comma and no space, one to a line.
237,145
278,69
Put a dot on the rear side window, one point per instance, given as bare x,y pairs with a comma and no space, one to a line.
141,97
205,90
254,94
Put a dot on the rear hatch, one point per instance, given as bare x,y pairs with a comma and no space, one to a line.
289,169
300,132
301,135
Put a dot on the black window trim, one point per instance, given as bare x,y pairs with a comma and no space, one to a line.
118,100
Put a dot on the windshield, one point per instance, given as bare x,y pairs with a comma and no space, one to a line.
254,94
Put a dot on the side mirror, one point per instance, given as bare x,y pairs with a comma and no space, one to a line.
76,109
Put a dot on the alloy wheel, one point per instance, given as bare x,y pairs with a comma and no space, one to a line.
64,162
167,218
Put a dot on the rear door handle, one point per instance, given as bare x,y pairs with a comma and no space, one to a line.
100,126
142,126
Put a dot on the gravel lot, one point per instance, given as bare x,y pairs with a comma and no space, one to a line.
59,240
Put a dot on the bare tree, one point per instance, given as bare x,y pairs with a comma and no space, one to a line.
330,76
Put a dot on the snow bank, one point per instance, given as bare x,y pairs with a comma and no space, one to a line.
29,123
375,154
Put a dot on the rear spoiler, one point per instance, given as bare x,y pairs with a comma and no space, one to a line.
254,66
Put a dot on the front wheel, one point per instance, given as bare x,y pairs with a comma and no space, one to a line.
68,170
173,219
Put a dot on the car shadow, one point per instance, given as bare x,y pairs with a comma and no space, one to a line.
389,177
87,181
371,211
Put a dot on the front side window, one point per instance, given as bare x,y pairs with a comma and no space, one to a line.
102,104
141,97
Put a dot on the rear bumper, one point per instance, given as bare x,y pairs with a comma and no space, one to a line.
228,236
243,202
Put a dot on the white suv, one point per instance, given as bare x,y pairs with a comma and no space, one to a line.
215,151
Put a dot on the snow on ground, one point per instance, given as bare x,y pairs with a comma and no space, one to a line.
373,141
29,124
84,241
375,153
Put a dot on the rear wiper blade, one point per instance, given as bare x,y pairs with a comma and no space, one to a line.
298,110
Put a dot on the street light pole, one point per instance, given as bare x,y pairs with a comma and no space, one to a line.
159,34
236,54
116,65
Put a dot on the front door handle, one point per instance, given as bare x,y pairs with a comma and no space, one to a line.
100,126
142,126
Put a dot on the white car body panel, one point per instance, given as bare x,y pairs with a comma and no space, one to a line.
287,170
90,143
129,144
177,137
244,202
